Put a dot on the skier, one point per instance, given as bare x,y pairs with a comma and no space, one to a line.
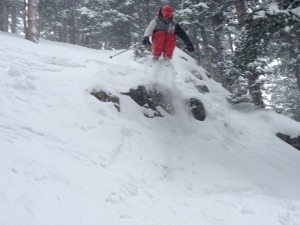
163,30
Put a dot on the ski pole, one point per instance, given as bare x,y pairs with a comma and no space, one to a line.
132,47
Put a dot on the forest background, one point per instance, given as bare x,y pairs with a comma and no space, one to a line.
251,47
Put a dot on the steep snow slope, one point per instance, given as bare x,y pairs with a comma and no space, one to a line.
67,158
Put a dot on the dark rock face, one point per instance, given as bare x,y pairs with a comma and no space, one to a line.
197,108
295,142
104,97
197,74
153,98
202,88
157,101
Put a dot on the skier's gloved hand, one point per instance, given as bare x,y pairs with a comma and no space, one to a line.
146,41
190,47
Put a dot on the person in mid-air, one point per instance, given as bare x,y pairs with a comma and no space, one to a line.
163,31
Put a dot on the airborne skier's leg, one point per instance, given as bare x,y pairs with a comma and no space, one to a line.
159,39
169,47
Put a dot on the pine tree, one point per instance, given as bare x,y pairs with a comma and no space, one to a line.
194,19
270,32
284,96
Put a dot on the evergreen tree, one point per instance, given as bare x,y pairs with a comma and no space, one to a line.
193,17
283,93
259,45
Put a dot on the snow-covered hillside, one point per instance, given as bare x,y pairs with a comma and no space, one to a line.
69,159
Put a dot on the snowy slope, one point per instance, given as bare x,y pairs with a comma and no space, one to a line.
67,158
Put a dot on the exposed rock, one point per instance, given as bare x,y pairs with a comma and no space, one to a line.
295,142
197,108
104,97
184,58
156,101
197,74
190,80
202,88
153,98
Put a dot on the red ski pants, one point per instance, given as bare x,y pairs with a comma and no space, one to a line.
163,43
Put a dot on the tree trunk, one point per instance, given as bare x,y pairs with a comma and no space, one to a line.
60,31
13,12
255,91
33,21
230,42
297,69
240,11
25,12
208,55
72,28
297,74
218,20
3,15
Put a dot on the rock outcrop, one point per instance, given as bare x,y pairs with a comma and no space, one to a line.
104,97
295,142
157,101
